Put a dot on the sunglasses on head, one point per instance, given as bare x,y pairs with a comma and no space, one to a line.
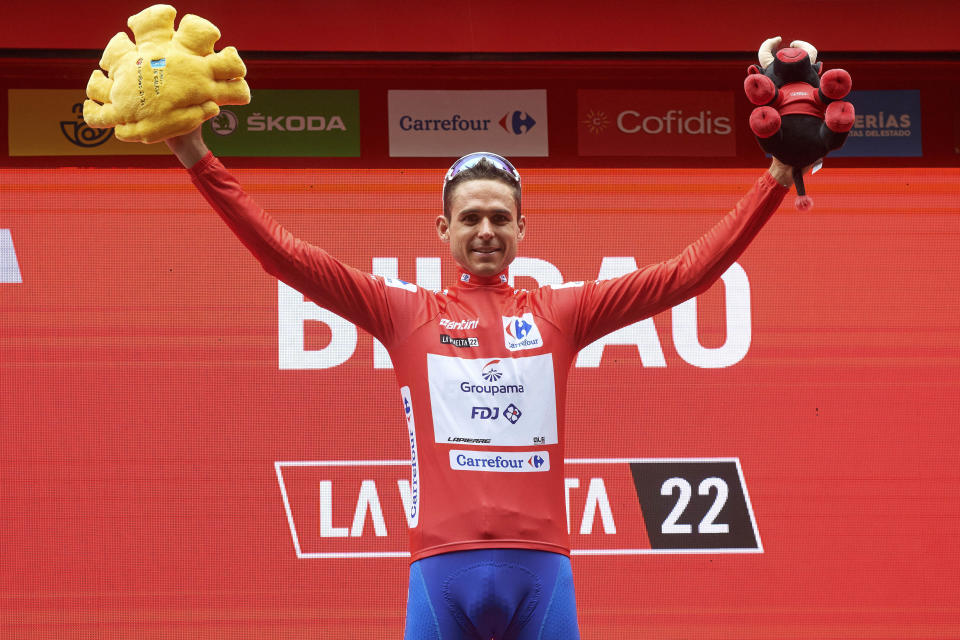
471,159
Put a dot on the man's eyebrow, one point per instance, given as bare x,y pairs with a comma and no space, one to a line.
469,210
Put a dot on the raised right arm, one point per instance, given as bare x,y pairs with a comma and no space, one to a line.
189,148
359,297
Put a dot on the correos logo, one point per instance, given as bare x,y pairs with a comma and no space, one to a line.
77,131
674,122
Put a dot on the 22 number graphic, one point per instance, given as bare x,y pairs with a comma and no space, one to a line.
696,505
708,524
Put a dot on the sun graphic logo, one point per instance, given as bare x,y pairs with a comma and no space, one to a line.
490,372
596,122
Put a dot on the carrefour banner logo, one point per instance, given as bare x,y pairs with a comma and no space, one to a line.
887,125
453,123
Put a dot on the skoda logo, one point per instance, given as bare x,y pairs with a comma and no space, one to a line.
225,123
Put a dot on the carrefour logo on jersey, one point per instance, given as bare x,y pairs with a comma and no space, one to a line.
521,332
452,123
655,123
515,461
413,516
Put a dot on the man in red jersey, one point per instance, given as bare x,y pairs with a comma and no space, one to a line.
482,369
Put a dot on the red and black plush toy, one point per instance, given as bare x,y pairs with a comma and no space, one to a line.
801,115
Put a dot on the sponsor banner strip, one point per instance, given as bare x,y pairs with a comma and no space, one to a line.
278,465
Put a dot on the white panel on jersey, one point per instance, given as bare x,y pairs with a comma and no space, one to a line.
503,402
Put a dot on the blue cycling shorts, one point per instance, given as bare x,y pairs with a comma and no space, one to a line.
498,594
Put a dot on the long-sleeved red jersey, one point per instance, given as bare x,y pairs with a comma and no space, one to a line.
482,367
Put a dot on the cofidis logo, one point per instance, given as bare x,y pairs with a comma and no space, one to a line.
655,123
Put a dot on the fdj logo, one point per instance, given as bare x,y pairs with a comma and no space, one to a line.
517,122
511,413
485,413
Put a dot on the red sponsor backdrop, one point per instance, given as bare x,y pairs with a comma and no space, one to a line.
475,26
143,413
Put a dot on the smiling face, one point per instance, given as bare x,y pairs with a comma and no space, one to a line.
484,226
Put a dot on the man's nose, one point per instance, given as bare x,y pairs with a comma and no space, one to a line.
486,228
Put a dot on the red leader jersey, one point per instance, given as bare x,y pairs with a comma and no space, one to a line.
482,367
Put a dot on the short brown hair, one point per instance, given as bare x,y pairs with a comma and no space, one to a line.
482,170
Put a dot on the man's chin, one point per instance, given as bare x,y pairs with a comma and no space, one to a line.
485,268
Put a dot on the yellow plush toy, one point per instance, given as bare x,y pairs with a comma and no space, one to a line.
166,84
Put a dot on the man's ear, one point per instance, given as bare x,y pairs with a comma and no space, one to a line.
522,227
443,228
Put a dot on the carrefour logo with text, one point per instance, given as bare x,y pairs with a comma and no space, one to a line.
521,332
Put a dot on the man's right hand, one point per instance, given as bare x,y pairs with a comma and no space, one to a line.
189,148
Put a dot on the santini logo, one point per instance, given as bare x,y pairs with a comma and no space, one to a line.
459,325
